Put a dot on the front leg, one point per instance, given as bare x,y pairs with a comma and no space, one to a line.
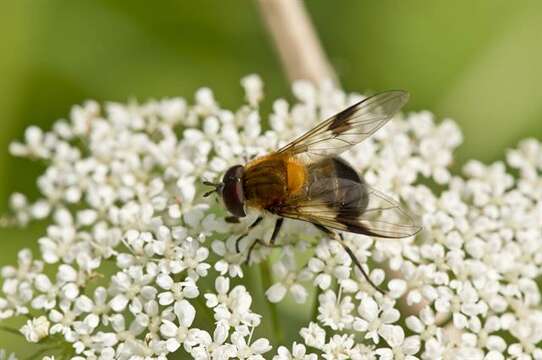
256,222
276,230
274,235
232,219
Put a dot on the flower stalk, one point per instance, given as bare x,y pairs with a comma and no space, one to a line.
267,282
296,41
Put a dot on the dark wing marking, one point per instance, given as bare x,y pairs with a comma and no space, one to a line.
347,128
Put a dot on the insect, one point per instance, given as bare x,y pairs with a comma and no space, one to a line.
307,180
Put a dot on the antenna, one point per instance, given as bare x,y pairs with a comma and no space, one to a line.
217,187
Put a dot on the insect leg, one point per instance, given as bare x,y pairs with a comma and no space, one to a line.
247,158
257,241
276,230
256,222
339,238
261,243
358,264
232,219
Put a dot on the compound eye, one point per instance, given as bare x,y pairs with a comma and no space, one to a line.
233,194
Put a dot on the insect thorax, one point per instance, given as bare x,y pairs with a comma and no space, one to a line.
271,180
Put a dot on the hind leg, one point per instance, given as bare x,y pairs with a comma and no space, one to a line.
339,238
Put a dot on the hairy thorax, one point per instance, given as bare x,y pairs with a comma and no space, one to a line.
270,180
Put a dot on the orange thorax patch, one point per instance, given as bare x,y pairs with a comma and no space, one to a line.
296,174
271,180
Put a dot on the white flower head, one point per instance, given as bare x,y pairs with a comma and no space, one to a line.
36,329
299,352
122,194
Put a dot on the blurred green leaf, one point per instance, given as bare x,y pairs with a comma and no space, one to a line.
498,96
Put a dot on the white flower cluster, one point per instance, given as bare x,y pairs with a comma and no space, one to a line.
132,248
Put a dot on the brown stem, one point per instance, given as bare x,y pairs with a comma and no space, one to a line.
296,41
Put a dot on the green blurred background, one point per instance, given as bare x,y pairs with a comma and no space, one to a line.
478,62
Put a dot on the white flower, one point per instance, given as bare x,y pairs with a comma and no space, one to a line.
80,332
487,337
132,287
375,320
528,331
252,351
334,311
176,291
464,306
139,349
7,356
416,278
253,88
289,280
63,318
194,256
177,334
299,352
331,261
125,336
424,324
17,285
313,335
214,348
400,347
36,329
232,307
230,258
121,194
47,299
339,347
98,306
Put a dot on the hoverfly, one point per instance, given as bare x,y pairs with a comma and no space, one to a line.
307,180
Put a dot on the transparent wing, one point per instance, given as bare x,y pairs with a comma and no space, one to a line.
347,128
383,217
337,197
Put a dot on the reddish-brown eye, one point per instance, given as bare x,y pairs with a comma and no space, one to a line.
232,192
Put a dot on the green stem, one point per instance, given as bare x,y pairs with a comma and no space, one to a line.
40,352
202,307
314,312
267,283
11,330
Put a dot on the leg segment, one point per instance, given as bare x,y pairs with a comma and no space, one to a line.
256,222
232,219
350,253
261,243
274,235
276,230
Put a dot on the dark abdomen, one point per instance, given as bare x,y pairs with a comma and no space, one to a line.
338,186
